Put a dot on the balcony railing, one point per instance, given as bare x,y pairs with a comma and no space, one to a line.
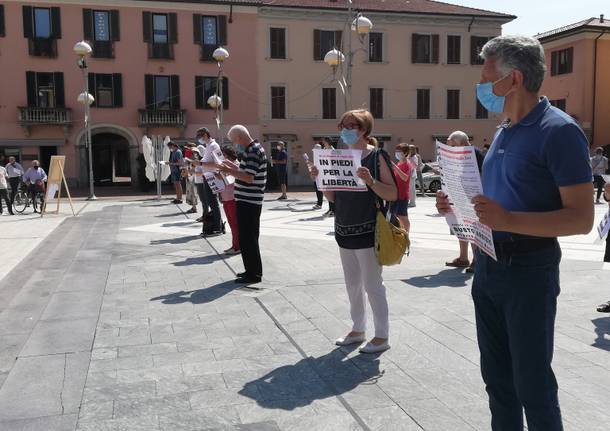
162,118
33,116
161,51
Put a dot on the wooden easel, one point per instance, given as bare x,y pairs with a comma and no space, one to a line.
54,180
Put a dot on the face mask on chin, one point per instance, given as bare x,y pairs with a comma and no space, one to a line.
487,97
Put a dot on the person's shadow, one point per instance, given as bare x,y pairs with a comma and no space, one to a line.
201,260
602,329
445,278
179,240
201,296
311,379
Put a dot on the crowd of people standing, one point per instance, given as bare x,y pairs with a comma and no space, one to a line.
13,176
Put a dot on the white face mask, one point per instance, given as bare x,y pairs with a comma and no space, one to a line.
201,141
399,156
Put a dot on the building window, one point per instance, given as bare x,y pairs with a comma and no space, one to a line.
454,49
376,102
375,47
107,89
162,92
277,42
161,33
278,102
101,28
210,32
45,90
453,104
561,61
559,103
423,103
324,41
481,113
476,45
2,30
42,26
329,103
205,87
424,48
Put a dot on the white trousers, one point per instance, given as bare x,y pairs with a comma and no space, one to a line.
363,274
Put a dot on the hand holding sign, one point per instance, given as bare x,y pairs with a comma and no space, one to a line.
365,175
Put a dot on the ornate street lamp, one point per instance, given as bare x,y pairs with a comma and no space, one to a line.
220,54
83,50
362,26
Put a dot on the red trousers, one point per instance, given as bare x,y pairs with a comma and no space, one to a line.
231,213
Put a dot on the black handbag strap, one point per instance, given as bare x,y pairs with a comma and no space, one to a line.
381,204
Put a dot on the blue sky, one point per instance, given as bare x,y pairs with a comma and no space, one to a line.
537,16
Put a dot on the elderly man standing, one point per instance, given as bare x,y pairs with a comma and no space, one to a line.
250,181
460,139
515,297
34,178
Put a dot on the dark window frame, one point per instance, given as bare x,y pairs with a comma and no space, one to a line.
423,103
160,50
207,49
559,103
2,24
476,44
278,102
320,36
376,102
481,113
203,91
33,88
116,88
101,48
329,103
375,47
453,104
562,61
277,44
430,57
173,100
454,49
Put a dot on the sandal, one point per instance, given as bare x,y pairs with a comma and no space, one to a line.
458,263
604,308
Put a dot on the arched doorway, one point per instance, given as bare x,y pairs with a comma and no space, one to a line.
111,159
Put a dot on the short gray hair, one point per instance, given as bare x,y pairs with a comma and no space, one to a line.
238,130
459,136
522,53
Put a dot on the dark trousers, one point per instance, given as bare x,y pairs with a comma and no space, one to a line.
515,302
14,183
7,201
319,195
212,200
599,182
607,254
249,222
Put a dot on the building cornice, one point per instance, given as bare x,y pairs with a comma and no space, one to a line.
188,5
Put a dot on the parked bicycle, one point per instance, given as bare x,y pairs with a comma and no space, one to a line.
23,199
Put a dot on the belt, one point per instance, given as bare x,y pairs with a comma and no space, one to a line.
525,245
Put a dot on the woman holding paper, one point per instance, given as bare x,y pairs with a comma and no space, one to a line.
355,218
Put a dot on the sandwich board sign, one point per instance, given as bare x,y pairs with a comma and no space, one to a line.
54,180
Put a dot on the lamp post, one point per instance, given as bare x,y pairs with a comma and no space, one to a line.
362,26
215,101
83,50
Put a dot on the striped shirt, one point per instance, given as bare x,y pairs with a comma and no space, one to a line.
253,162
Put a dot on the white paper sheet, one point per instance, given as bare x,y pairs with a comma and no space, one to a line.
461,181
337,170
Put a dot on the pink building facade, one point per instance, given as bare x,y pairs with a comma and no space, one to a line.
151,73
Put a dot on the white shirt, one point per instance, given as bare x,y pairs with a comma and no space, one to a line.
199,175
14,171
3,175
212,148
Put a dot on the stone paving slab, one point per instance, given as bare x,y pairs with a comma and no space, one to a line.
164,339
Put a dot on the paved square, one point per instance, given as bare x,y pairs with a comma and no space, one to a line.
123,318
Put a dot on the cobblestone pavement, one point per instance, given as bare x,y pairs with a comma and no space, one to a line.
125,319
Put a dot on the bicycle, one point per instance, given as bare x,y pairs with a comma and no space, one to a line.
23,199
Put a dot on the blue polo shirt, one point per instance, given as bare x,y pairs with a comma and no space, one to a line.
528,161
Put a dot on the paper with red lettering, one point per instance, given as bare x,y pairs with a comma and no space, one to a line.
461,181
337,170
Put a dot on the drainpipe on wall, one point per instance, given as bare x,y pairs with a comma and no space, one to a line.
595,83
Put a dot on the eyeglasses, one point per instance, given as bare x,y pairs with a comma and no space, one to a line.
349,126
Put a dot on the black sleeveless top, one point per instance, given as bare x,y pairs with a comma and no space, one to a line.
356,213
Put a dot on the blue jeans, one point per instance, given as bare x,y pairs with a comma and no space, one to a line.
515,303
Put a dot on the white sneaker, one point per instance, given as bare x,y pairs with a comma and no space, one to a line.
346,341
317,207
374,348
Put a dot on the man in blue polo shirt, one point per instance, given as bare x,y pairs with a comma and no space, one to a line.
537,187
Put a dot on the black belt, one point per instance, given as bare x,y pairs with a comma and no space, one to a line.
523,245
